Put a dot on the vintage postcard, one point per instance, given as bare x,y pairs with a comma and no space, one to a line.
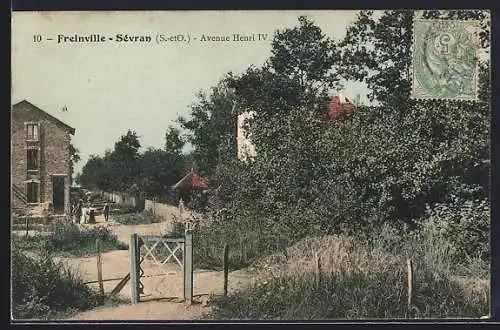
250,165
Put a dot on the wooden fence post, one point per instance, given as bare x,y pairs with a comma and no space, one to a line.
226,267
188,267
99,266
409,266
318,269
134,268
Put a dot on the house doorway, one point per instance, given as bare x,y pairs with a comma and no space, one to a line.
58,194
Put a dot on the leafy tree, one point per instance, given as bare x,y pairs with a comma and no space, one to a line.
128,146
125,169
285,94
306,57
174,142
377,51
124,161
93,173
300,72
117,169
159,171
210,127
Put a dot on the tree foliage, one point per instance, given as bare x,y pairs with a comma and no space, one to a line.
210,127
150,173
383,165
174,142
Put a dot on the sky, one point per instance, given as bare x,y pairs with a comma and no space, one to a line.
110,87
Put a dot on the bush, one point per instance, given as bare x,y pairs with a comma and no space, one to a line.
69,238
358,281
248,239
42,288
451,239
177,230
145,217
465,224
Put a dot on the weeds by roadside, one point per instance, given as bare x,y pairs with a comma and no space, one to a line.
45,289
123,209
356,295
248,239
68,238
144,217
357,281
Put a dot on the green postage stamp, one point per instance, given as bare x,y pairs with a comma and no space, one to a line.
445,59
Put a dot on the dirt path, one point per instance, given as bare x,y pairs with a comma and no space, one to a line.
162,289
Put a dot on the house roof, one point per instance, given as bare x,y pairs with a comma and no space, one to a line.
192,180
69,128
338,105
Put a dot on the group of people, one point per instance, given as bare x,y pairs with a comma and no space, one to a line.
83,213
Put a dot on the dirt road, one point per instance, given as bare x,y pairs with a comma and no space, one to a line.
162,295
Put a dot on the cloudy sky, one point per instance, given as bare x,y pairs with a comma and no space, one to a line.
110,87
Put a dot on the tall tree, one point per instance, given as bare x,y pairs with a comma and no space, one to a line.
159,170
306,56
124,160
302,69
284,93
377,49
377,52
210,127
92,175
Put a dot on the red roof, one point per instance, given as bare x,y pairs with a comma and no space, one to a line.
338,106
192,180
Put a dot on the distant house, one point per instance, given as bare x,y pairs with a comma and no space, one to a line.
40,160
339,105
244,147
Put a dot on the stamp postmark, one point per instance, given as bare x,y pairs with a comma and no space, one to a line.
444,59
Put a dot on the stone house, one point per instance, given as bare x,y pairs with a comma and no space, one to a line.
40,161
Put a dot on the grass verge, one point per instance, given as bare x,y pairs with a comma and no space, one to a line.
144,217
358,281
66,238
356,295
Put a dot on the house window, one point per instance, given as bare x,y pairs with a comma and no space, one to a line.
33,163
32,189
32,132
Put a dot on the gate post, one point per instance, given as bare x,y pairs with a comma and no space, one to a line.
188,267
134,267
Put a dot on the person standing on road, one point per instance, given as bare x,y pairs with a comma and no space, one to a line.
78,211
105,211
83,219
91,215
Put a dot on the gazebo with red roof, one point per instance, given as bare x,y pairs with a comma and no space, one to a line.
192,181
